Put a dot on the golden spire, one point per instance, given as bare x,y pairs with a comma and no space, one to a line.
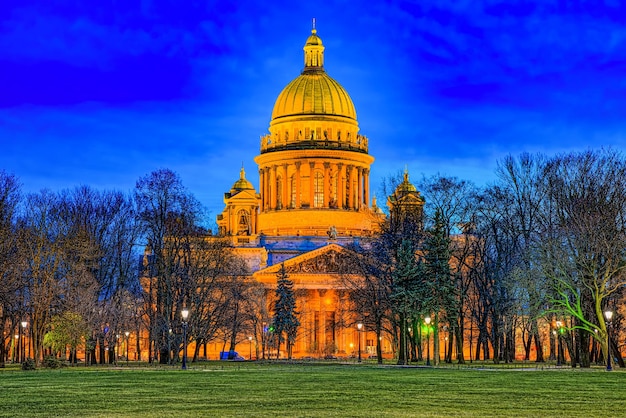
313,52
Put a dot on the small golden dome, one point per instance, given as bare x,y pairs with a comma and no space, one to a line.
242,183
406,186
314,39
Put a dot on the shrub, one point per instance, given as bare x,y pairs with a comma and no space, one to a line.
29,364
52,362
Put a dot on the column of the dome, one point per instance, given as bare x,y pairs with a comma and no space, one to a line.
341,186
272,186
311,185
360,187
327,185
285,187
298,189
261,188
367,187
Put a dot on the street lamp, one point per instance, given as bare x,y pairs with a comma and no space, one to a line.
117,347
559,346
185,314
24,325
16,348
127,334
250,347
427,321
558,351
359,326
608,314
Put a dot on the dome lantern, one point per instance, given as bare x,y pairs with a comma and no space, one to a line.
313,52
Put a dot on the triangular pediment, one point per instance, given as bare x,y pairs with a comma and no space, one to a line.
244,194
411,199
330,259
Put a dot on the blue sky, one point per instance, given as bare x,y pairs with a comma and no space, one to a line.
103,92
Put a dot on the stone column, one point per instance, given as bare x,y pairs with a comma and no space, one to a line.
298,189
341,186
273,195
261,188
367,187
286,188
267,188
359,187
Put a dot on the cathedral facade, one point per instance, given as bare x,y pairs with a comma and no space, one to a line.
313,200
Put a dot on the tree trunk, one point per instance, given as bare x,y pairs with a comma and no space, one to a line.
538,346
402,342
436,347
379,349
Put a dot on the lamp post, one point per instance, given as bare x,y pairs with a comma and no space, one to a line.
559,347
359,326
608,314
16,348
24,325
558,351
427,321
117,347
127,334
250,347
185,314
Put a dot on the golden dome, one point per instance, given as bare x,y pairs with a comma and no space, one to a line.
314,110
242,183
406,186
313,93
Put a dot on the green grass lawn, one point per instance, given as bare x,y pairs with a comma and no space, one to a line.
300,390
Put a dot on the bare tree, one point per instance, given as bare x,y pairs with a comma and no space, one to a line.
583,252
11,284
168,215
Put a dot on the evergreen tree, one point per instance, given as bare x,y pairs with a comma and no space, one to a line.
442,293
285,315
407,292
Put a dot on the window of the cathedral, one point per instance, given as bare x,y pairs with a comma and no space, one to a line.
293,191
279,192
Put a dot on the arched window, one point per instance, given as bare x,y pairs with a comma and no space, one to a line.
318,188
293,191
243,222
279,192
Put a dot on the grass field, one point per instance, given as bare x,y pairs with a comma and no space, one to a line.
310,390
